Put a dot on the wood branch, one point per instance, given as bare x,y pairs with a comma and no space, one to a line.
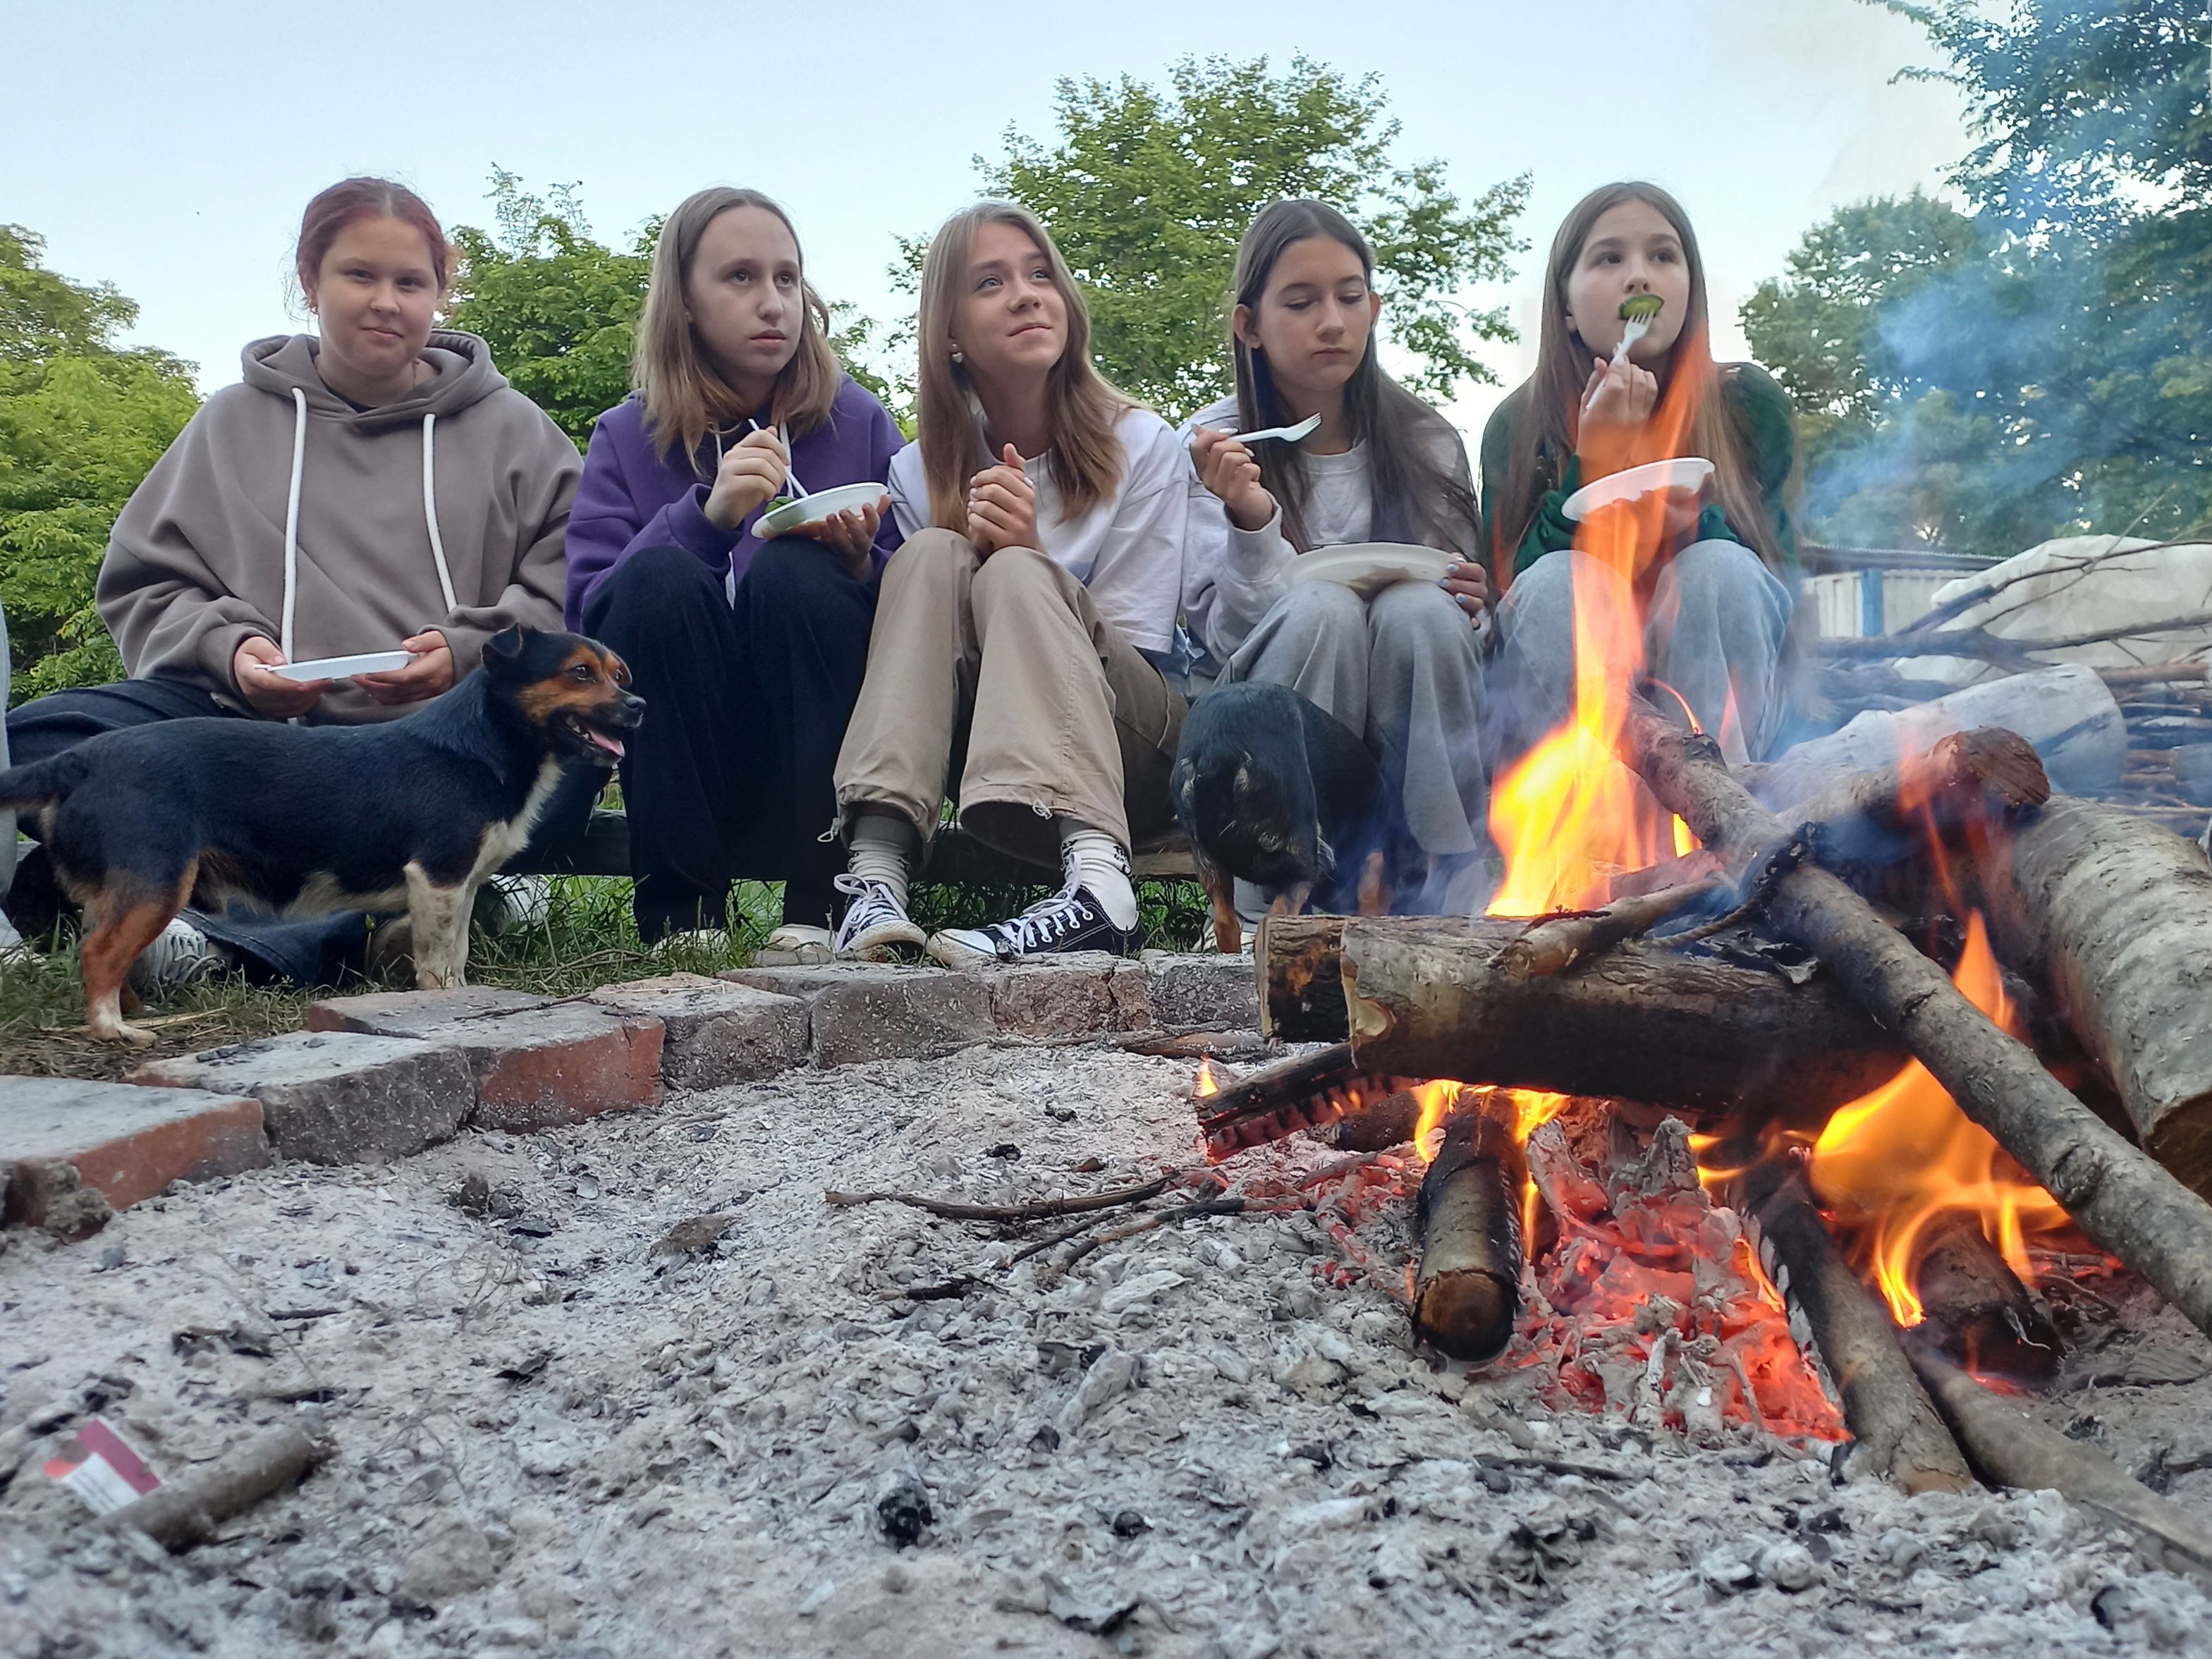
1466,1290
2013,1449
1300,995
1899,1435
1552,944
2111,917
1687,1032
1278,1101
951,1210
1980,642
1977,1309
2065,714
1964,780
2126,676
183,1511
2119,1196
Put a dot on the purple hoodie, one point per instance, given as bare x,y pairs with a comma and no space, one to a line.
630,497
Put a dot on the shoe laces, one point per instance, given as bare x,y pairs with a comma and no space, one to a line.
872,901
1046,921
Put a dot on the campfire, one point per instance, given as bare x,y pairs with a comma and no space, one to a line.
1722,1117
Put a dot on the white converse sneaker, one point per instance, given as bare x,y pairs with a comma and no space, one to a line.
180,955
794,944
1071,920
876,922
508,903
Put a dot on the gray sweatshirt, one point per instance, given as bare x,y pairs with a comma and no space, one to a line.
283,511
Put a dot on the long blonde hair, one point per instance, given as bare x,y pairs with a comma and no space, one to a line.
670,369
1541,442
1084,458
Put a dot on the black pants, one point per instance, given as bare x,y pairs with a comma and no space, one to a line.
730,775
311,951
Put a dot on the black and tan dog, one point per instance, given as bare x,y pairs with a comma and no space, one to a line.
1270,787
412,814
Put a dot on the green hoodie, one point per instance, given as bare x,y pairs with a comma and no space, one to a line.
1762,413
196,563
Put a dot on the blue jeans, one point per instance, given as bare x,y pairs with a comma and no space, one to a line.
1716,623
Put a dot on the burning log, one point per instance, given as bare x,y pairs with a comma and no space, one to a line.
1899,1434
2113,918
1279,1101
1466,1290
2120,1197
1552,944
1962,779
1430,998
1978,1311
2014,1449
1301,990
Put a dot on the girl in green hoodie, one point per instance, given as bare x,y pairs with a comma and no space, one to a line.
374,486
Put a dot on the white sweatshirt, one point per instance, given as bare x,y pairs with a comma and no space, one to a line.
1127,550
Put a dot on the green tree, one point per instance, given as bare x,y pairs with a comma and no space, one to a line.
82,420
558,307
2043,363
1147,190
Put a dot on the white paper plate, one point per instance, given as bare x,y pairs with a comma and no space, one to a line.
1367,567
813,509
339,668
1691,473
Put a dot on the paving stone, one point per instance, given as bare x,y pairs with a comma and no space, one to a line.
538,1063
715,1032
1071,995
866,1011
1205,989
61,1135
336,1097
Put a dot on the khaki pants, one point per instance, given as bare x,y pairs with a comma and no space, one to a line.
1005,658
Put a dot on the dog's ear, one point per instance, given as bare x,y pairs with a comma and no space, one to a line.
503,652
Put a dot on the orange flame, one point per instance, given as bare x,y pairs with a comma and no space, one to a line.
1436,1099
1568,815
1894,1161
1207,1086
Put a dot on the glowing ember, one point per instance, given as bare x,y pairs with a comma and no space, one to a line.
1892,1163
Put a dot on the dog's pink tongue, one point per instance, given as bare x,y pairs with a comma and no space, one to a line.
600,740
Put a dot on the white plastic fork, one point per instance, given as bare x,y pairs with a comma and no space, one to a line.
1304,429
790,478
1634,330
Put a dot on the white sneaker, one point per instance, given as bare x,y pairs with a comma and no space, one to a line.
506,903
180,955
1071,920
795,945
876,922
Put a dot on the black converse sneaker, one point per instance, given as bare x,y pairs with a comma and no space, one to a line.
1071,920
875,924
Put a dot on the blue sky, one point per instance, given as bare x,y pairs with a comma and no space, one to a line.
169,149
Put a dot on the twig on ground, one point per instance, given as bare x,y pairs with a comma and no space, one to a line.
1052,1272
1044,1209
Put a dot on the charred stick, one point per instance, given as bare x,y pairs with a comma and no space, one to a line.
2119,1196
1551,944
1230,1205
1899,1433
1978,1311
1466,1291
1044,1209
2012,1447
1279,1101
182,1512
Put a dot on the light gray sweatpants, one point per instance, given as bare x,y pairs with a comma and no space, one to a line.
1717,619
1403,670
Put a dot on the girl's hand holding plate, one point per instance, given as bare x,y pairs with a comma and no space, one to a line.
272,695
1469,584
1002,507
430,674
1225,467
752,470
851,535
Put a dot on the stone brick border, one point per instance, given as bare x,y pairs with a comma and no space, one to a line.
383,1075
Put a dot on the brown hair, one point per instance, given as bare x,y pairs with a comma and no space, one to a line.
351,200
1415,498
1541,438
670,370
1083,456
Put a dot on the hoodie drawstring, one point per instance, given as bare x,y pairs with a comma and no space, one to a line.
292,517
430,514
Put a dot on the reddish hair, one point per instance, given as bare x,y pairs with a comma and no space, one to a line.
351,200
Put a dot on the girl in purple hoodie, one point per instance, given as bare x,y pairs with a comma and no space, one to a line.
749,652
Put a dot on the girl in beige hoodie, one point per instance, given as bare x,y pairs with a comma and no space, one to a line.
375,486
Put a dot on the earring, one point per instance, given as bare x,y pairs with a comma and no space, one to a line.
956,356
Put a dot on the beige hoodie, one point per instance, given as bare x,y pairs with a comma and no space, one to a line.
199,559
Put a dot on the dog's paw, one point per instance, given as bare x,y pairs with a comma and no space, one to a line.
118,1031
